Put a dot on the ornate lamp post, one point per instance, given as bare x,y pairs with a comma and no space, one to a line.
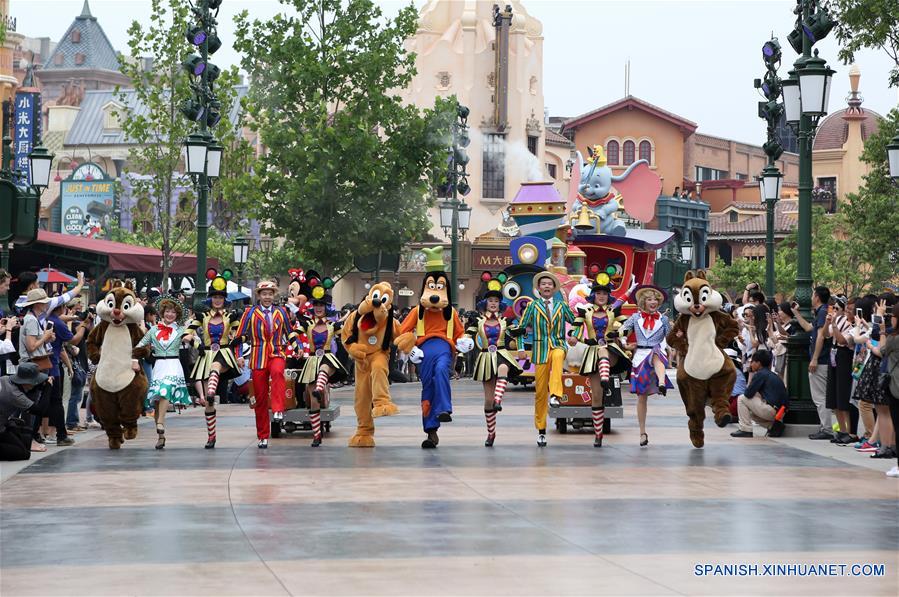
893,155
204,154
455,214
241,248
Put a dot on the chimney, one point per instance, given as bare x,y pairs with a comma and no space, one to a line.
502,20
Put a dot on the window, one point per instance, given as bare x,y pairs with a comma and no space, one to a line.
79,58
828,184
76,36
646,151
703,173
741,176
629,148
551,170
532,144
612,153
733,217
57,60
111,118
494,167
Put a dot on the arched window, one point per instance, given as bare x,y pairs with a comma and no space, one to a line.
612,153
629,149
646,151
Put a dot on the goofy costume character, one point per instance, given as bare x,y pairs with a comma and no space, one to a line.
547,315
431,334
267,327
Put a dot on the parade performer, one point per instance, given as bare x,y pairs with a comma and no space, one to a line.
218,360
267,328
431,334
118,385
546,315
597,326
649,361
700,335
168,385
494,364
367,334
322,366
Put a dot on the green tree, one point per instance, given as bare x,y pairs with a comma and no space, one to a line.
868,24
154,123
349,168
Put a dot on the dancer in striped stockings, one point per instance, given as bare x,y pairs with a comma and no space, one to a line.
322,366
494,364
594,326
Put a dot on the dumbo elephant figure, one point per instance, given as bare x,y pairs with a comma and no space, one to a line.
595,191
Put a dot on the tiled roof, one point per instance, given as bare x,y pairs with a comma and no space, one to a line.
88,125
554,138
784,221
834,129
94,46
629,103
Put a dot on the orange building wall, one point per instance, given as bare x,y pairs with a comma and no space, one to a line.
667,139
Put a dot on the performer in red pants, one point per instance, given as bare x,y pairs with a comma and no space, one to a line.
266,327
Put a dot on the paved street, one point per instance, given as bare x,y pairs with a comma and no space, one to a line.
463,519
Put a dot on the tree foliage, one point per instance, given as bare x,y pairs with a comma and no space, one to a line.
349,168
868,24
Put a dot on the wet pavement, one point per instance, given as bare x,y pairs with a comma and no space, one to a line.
462,519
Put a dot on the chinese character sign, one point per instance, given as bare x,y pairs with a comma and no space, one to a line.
26,122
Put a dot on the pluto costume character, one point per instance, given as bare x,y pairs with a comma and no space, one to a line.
116,388
367,335
704,371
432,333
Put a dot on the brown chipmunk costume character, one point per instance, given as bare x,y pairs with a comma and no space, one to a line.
367,335
704,371
118,388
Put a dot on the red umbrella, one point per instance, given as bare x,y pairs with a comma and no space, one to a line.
48,275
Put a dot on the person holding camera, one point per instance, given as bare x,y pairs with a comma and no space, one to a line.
79,367
18,393
763,397
34,347
819,353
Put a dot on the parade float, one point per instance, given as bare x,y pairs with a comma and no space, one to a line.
581,239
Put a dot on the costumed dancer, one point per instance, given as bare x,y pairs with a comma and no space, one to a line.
546,315
649,362
494,363
267,327
431,334
218,360
168,385
596,326
322,366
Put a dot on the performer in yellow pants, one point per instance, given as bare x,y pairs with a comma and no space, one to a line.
547,315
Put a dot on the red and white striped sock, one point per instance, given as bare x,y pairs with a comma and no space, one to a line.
210,425
213,384
500,391
604,369
599,416
490,415
321,381
315,418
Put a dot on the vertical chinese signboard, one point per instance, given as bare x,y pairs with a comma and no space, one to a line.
27,122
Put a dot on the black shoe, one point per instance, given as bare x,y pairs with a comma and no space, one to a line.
554,401
844,439
725,420
597,443
776,429
741,433
318,395
541,440
445,418
316,442
497,405
66,441
160,442
644,440
884,453
263,444
821,434
490,438
428,445
605,383
663,390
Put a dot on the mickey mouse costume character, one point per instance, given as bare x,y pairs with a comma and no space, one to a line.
494,363
431,334
267,327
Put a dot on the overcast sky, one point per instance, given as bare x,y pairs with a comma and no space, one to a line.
694,58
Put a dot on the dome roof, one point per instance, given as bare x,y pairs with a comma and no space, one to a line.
834,129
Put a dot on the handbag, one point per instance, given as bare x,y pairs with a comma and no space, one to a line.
43,362
884,380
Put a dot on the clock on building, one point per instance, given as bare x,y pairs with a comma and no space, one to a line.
89,171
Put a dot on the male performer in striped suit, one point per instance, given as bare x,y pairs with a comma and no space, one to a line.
267,328
547,315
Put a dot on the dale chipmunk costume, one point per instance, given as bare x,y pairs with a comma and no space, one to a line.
493,339
700,335
431,334
367,334
118,390
547,315
218,357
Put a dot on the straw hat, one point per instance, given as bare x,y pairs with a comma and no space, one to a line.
36,296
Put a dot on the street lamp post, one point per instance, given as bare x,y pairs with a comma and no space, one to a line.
241,248
204,109
893,155
455,215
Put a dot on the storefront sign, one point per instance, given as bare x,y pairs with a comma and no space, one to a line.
490,259
88,198
27,125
